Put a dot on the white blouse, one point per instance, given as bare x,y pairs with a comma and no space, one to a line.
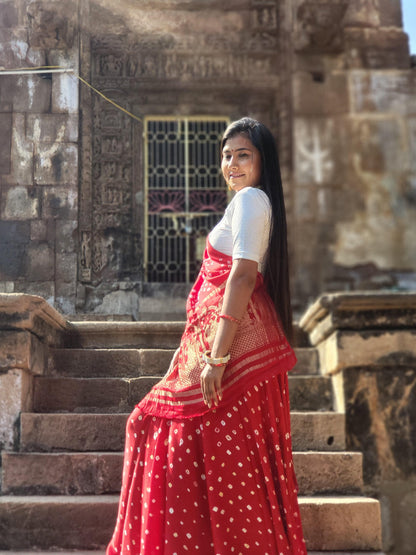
243,232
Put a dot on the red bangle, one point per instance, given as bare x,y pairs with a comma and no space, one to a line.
231,318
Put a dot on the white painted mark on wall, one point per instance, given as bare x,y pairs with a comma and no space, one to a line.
315,159
46,154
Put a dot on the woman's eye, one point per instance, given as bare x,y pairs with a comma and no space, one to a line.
243,155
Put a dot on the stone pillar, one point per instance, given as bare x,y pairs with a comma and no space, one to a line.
367,343
28,327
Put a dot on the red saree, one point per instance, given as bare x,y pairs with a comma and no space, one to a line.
219,481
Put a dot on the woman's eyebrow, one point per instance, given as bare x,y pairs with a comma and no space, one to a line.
228,149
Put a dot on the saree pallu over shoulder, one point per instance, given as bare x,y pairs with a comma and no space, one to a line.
259,351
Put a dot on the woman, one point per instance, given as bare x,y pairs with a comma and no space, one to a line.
208,463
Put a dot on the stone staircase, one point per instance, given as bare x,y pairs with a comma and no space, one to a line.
60,487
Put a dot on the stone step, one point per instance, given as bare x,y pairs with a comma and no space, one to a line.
122,335
341,523
87,522
100,473
109,363
310,393
121,394
320,431
131,363
127,334
308,362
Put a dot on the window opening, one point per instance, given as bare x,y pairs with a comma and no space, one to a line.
185,194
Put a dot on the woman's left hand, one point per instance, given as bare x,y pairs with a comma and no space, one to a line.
211,378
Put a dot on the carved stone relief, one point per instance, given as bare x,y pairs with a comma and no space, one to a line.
112,193
319,26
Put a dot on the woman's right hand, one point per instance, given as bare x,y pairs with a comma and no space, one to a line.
211,378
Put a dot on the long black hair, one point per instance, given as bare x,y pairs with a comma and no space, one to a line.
276,266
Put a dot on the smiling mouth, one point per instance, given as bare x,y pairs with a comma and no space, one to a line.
235,176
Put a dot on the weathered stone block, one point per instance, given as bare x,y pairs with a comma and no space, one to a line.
24,312
65,295
20,203
321,431
41,262
8,14
15,237
51,24
65,93
120,302
82,395
72,432
341,523
345,349
361,13
52,128
328,472
15,389
314,98
22,350
66,267
383,92
390,13
67,236
60,203
21,154
383,13
44,289
310,393
305,204
377,48
38,230
133,335
28,93
61,473
398,499
374,232
381,420
96,362
320,147
6,287
319,26
5,142
56,164
411,134
70,522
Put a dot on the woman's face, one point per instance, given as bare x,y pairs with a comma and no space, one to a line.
241,163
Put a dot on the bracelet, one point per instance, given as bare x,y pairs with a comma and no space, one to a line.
231,318
221,361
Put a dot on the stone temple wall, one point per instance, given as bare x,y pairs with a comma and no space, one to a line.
332,78
354,106
39,152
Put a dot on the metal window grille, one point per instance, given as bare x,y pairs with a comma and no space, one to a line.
185,195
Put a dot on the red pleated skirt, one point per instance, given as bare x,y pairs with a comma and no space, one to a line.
218,484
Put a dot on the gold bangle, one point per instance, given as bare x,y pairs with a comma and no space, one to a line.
220,361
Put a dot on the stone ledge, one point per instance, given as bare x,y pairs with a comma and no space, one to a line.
359,310
19,311
377,349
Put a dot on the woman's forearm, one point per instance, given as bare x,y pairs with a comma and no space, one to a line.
238,290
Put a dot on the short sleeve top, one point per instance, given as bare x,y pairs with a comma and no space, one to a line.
243,232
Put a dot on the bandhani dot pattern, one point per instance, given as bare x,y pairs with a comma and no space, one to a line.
217,484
